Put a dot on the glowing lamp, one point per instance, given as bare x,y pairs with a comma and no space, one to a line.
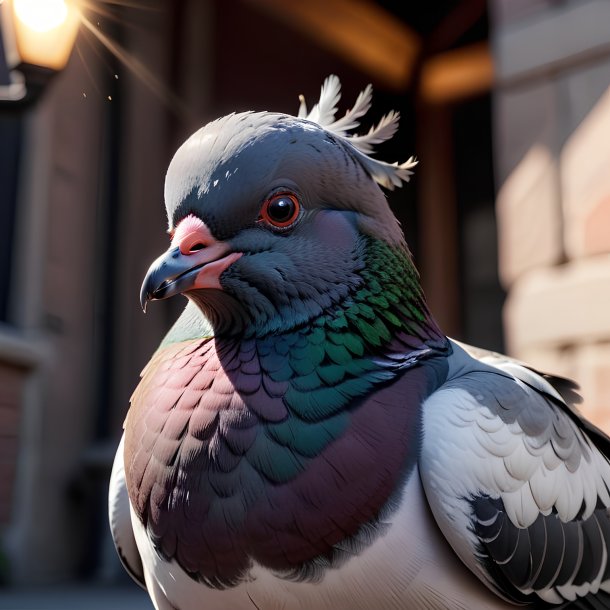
38,36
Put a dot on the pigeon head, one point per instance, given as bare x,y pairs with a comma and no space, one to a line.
271,216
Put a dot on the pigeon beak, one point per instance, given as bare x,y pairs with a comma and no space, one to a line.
177,271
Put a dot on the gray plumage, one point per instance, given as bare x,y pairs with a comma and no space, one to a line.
305,436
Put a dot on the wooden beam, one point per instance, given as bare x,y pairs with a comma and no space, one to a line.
455,75
456,22
438,251
361,32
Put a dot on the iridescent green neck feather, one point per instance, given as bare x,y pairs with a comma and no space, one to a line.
283,446
384,300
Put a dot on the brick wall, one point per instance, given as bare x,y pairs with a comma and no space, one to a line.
552,138
11,390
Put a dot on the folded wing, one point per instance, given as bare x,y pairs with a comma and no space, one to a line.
516,484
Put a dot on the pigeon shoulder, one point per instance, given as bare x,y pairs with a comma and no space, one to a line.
516,483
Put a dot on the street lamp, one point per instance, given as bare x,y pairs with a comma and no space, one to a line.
37,39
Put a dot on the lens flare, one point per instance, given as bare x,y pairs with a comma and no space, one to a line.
41,15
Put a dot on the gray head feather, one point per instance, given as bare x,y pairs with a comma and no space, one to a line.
224,172
227,172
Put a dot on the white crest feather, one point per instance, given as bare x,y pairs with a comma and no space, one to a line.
323,113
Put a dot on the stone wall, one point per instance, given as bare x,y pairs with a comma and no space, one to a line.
552,151
90,219
11,381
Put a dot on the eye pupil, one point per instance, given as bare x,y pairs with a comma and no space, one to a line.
281,209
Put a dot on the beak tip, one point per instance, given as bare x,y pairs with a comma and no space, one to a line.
144,298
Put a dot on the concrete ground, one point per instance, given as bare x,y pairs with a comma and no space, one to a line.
75,597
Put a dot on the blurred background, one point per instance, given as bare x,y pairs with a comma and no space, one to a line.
505,102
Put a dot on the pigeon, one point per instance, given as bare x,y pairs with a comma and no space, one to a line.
305,436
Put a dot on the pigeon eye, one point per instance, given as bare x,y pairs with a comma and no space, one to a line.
281,210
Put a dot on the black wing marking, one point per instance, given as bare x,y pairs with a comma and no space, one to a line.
546,555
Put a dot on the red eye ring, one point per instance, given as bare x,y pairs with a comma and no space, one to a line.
280,210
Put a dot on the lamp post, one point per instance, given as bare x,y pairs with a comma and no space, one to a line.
37,38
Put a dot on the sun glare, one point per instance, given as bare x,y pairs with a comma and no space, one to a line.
41,15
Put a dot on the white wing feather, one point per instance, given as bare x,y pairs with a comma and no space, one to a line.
120,520
469,450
